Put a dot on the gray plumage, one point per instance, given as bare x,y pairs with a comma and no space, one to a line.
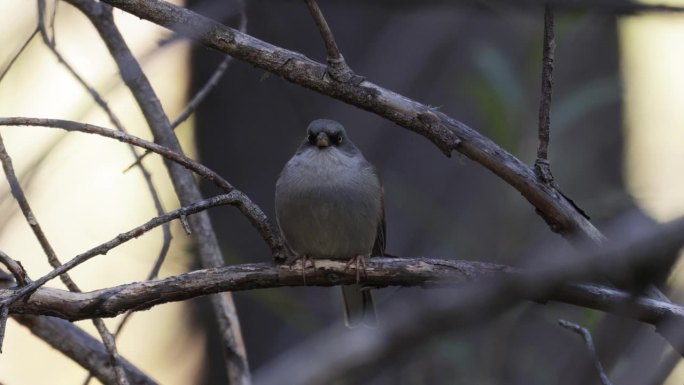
329,205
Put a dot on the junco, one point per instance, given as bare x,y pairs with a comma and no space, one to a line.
329,205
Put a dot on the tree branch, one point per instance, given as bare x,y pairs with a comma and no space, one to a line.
446,133
541,165
381,272
187,190
345,356
16,269
81,348
14,58
18,193
199,97
248,208
30,288
337,67
589,342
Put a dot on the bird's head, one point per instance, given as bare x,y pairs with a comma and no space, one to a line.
324,133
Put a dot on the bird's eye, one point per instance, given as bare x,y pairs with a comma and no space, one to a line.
311,138
336,139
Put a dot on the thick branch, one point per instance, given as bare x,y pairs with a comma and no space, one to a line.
446,133
382,272
81,347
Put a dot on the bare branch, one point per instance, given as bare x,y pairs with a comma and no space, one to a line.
337,67
586,336
81,348
102,249
203,92
21,278
345,355
16,269
101,16
4,314
113,353
541,165
497,288
446,133
31,219
54,261
108,339
381,272
213,80
248,208
16,56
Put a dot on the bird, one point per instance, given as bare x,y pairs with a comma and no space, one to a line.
329,203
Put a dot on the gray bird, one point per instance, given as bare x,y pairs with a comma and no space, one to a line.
329,205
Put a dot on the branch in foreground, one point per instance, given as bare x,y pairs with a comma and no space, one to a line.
81,348
497,289
589,342
345,356
423,272
446,133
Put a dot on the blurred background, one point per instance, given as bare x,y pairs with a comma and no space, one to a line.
616,150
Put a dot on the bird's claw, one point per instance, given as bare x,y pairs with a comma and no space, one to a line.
360,263
304,259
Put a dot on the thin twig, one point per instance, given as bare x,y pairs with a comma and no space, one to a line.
541,165
114,357
326,33
16,269
192,105
16,56
586,336
152,275
107,338
186,188
251,211
337,66
32,220
212,81
103,248
203,92
199,97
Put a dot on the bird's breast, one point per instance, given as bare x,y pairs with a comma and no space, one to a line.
329,207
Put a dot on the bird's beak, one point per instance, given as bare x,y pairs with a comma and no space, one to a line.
322,140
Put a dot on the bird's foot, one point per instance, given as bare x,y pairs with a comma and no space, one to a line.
304,259
360,264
